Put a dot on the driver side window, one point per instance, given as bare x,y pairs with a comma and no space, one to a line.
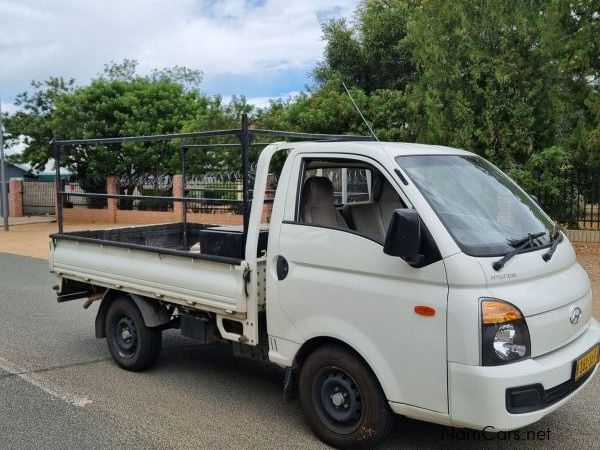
349,195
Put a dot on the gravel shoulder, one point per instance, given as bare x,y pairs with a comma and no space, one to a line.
33,239
588,256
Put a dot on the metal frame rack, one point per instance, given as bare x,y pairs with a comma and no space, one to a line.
244,134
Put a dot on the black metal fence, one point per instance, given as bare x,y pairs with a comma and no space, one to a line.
571,197
39,198
73,199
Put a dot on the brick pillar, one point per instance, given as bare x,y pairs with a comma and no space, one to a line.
15,197
178,192
269,195
112,188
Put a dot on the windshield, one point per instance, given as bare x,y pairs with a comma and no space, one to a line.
484,211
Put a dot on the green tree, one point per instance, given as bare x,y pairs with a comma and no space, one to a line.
485,80
214,114
370,53
572,40
33,121
329,109
117,103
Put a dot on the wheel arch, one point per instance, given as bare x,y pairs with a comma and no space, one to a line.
309,347
319,341
152,312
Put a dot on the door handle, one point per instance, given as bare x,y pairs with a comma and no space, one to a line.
282,268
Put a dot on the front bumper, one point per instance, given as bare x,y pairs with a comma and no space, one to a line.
478,395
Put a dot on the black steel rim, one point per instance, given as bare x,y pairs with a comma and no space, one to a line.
126,336
338,400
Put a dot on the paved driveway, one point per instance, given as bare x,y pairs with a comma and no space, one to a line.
59,389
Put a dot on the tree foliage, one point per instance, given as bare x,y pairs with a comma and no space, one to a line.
119,102
517,82
370,53
504,79
32,123
485,81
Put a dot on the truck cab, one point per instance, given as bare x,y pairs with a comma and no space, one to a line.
451,337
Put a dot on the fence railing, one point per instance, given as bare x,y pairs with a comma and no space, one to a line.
39,198
571,197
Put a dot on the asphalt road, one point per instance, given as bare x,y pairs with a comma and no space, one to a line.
60,389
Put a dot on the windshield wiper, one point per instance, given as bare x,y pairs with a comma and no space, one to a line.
518,246
556,239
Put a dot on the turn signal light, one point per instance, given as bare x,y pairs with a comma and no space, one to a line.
497,311
424,311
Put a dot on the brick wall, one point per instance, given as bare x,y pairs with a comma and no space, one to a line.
112,214
15,197
84,215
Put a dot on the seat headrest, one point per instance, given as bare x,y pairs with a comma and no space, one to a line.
318,191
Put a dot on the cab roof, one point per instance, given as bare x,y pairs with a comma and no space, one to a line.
392,149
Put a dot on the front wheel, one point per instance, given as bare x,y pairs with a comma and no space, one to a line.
132,344
342,400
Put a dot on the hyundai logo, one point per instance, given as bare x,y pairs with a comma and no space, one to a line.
575,315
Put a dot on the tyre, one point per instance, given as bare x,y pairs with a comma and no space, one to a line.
132,345
342,400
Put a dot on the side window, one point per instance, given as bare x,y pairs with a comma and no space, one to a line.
350,184
349,195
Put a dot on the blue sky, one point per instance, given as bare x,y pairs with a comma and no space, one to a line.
258,48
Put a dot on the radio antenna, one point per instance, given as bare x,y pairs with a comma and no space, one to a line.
359,112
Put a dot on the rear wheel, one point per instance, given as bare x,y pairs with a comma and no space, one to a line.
342,400
132,344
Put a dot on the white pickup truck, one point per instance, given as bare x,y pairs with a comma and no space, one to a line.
443,292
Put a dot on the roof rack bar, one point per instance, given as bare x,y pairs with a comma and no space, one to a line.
315,136
192,146
245,134
201,134
152,138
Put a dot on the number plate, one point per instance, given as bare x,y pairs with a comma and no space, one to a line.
586,362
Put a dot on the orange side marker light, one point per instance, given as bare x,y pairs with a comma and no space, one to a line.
424,311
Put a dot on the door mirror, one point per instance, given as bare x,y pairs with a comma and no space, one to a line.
403,237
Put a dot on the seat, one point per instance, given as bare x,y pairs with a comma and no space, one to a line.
317,204
372,219
389,201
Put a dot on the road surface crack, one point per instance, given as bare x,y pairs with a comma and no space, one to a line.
52,368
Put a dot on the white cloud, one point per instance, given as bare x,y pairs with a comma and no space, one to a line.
8,107
16,148
262,102
75,38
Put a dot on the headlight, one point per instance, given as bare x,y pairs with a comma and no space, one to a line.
504,333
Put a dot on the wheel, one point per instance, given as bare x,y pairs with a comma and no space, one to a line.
132,344
342,400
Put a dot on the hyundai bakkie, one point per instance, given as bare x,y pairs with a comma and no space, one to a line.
382,277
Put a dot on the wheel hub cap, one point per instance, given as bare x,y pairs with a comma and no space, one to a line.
337,399
126,336
340,400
